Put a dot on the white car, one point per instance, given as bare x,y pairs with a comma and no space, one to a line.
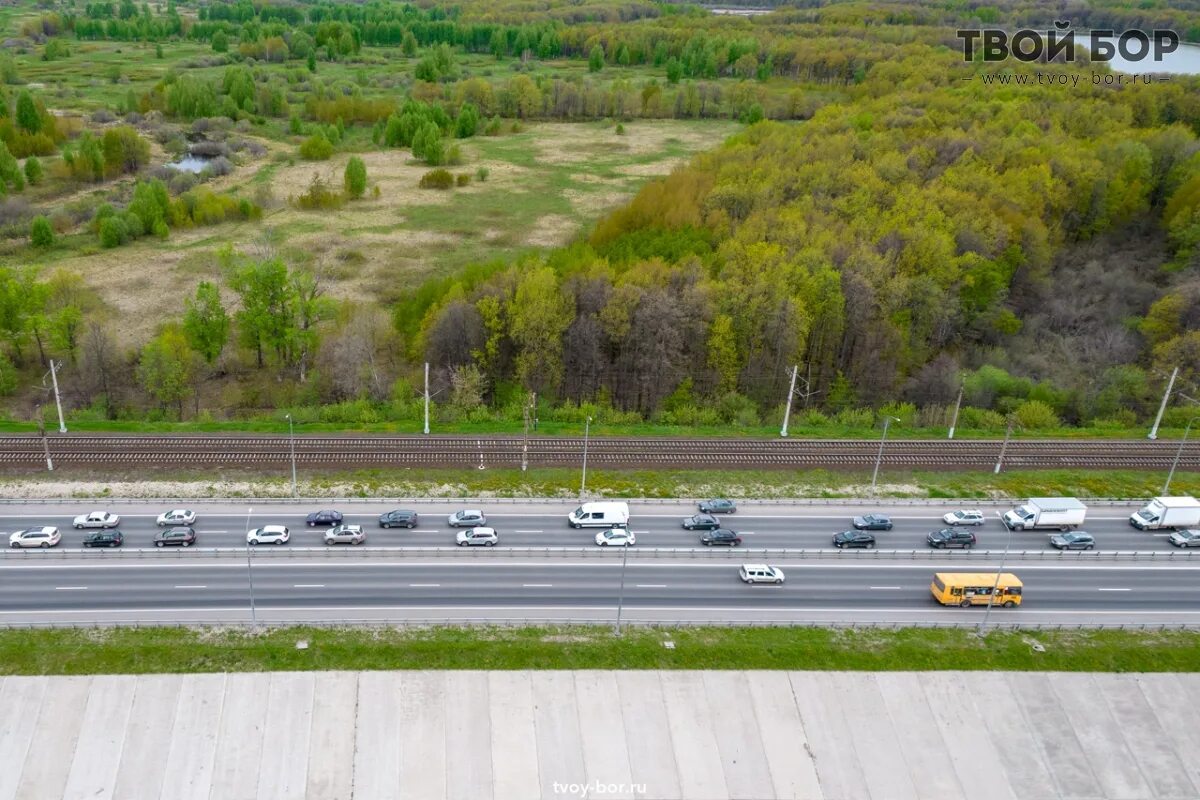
345,534
179,516
615,537
97,519
761,573
35,537
476,536
268,534
970,516
470,518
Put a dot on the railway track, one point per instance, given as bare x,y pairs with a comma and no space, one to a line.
19,451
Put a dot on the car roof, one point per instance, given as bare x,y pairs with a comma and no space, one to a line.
481,529
273,528
474,511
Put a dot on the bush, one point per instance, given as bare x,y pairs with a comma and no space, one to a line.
124,150
113,232
316,148
1036,415
620,129
33,170
437,179
41,234
319,196
355,178
855,418
482,174
980,419
453,155
462,179
493,127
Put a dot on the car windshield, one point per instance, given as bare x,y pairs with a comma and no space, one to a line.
1022,511
1144,514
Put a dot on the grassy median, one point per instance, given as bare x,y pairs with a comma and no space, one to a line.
158,650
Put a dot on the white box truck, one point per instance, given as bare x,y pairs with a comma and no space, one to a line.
1062,513
600,515
1167,512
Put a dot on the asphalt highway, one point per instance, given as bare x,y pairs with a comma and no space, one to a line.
487,588
544,525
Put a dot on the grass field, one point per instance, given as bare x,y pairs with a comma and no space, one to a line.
80,652
564,483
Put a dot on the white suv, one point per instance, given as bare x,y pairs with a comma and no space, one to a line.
35,537
345,534
476,536
761,573
970,516
268,534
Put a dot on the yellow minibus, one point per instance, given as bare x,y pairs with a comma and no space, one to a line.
975,589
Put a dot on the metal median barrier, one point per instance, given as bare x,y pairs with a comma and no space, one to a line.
271,552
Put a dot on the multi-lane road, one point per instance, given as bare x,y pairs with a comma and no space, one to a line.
399,577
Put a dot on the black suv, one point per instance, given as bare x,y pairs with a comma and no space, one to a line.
720,536
399,518
183,537
854,539
949,537
111,538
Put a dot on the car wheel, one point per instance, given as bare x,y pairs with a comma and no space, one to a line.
489,544
839,546
706,544
462,544
280,541
160,544
254,542
1089,547
967,546
186,544
1065,528
385,524
329,541
78,527
312,524
44,544
778,582
14,545
575,525
411,525
871,546
1009,604
965,604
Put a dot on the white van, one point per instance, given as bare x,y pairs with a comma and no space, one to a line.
600,515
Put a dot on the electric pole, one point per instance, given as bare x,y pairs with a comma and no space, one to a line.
525,437
957,406
787,408
62,426
426,397
41,423
1162,408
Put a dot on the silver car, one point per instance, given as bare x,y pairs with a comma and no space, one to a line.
470,518
485,537
345,534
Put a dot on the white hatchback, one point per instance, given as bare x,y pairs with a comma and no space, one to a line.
476,536
35,537
969,516
268,534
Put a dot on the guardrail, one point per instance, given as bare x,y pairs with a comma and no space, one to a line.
635,553
968,621
475,502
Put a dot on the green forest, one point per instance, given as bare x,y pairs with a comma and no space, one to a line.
895,224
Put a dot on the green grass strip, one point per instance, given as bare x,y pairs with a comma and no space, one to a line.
166,650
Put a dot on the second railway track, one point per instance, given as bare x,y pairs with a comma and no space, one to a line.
19,451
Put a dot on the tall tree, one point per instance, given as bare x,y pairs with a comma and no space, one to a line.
538,316
264,320
28,118
205,322
166,366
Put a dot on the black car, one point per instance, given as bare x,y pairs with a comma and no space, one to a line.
182,537
720,536
854,539
109,538
324,518
701,522
717,506
399,518
873,522
949,537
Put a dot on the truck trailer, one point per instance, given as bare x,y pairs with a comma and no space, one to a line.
1167,512
1061,513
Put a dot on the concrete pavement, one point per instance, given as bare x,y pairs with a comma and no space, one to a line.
590,734
528,524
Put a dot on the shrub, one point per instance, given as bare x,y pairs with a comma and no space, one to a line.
462,179
437,179
316,148
855,418
493,127
319,196
113,232
980,419
355,177
453,155
33,170
482,173
124,150
1036,415
620,129
41,234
